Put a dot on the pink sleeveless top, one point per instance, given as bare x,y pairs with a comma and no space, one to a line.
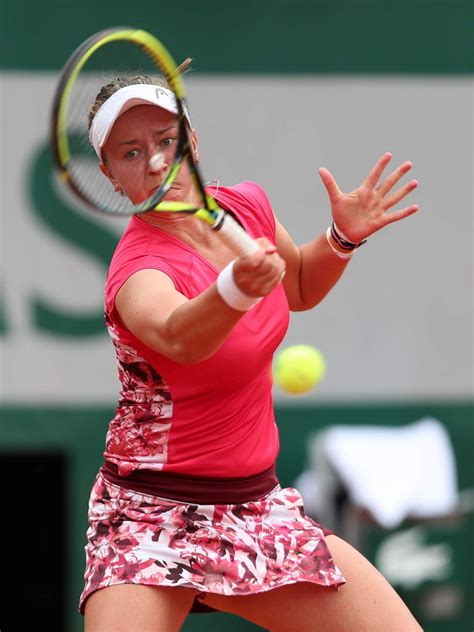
213,418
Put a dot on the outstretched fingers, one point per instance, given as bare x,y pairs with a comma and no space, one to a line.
330,184
395,197
394,177
395,216
388,183
377,171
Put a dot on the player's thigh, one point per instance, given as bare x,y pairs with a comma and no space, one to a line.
366,603
137,608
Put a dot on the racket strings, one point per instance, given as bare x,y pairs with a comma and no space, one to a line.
83,165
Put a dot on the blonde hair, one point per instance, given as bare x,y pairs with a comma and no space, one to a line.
130,80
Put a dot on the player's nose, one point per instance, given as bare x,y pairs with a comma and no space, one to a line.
157,163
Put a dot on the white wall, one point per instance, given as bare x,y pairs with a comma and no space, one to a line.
399,323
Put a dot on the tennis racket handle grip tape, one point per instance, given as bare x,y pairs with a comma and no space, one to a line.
234,235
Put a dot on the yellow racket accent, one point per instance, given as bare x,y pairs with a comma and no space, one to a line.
180,207
162,57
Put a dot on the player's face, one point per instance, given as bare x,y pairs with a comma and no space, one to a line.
138,135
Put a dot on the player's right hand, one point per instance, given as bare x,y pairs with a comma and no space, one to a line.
258,274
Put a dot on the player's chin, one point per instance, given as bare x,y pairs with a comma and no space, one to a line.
139,198
175,194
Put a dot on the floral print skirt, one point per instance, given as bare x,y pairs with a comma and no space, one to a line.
237,549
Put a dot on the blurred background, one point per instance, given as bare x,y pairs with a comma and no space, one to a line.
278,89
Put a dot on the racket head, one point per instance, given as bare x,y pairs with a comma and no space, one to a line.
127,52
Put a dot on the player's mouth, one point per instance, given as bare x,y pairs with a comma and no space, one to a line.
155,189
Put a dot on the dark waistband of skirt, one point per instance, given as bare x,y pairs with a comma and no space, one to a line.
194,489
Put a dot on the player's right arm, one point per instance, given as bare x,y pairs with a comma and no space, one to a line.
191,330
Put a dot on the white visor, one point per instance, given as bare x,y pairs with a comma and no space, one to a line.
123,100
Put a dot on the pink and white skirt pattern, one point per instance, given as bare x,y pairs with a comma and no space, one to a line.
236,549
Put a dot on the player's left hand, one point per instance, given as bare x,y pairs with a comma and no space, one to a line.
364,211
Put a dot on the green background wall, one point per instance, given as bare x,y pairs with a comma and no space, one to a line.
79,433
273,36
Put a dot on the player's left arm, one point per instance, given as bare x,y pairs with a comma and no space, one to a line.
311,270
314,268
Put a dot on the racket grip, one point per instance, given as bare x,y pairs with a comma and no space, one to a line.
234,235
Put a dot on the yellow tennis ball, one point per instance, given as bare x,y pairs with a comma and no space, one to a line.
299,368
156,161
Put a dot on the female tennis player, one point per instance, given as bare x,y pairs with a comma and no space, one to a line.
186,512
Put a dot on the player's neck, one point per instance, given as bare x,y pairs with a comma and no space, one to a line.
186,227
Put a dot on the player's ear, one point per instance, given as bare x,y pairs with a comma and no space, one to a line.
195,145
104,170
108,174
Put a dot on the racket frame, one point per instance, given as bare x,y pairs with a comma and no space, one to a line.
209,212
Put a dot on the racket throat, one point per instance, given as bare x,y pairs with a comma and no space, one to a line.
219,220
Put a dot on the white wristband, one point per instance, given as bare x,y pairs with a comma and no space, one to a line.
341,255
231,293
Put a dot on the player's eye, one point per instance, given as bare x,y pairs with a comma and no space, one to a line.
167,142
133,153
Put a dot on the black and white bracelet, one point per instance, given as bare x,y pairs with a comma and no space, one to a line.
342,241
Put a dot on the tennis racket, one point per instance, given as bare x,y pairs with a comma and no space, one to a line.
127,52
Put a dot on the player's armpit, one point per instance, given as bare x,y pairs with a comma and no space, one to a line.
290,252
